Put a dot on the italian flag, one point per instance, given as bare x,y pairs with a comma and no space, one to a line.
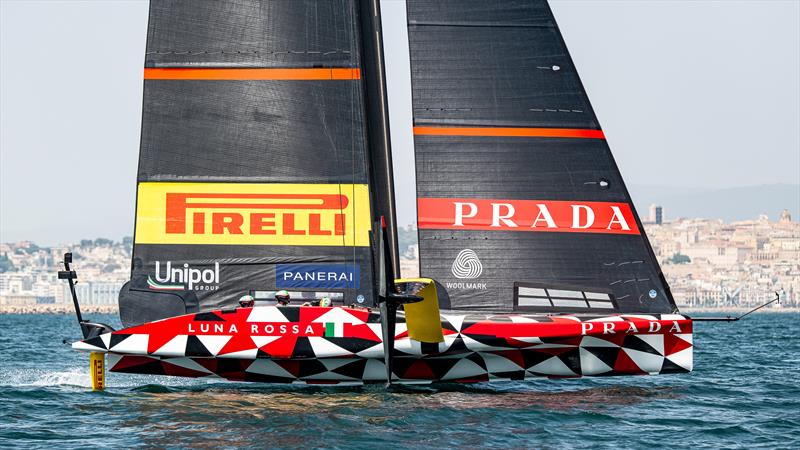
334,329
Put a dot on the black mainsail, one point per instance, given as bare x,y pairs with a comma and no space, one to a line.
520,203
254,160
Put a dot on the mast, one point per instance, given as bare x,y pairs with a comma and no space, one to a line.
378,122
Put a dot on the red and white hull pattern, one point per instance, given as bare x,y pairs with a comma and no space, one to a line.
343,345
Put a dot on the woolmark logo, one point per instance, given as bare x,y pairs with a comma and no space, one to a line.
467,265
184,277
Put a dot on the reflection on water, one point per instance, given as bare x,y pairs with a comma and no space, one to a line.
297,401
237,414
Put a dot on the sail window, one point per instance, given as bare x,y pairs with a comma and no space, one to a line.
560,299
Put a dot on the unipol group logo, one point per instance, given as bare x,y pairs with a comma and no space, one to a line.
467,266
169,277
253,214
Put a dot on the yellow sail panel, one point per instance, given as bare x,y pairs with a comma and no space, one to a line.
253,214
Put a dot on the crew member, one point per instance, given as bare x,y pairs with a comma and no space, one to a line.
325,301
282,298
247,301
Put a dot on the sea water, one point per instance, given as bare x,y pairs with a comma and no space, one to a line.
743,393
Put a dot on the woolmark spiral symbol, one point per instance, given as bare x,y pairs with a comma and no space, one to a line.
467,265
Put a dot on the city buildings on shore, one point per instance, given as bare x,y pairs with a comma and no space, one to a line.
28,273
708,264
712,264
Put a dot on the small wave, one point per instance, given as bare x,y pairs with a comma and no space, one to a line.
43,378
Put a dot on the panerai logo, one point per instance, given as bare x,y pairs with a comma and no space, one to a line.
176,278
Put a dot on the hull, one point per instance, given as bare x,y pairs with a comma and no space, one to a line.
338,345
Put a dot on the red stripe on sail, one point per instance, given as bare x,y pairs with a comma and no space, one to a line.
191,73
512,132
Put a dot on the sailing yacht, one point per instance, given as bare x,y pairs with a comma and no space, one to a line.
265,165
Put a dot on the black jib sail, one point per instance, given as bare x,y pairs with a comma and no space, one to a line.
520,203
253,168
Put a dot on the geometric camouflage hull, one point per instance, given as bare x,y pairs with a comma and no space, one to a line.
339,345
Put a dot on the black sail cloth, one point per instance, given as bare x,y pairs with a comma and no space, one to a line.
521,205
253,168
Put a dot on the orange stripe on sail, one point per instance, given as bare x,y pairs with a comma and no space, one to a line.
184,73
514,132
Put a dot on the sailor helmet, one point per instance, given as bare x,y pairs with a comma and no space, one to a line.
247,300
282,296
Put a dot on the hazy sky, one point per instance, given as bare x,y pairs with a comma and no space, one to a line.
699,93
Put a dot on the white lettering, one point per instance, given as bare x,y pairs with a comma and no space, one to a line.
544,215
576,216
208,276
176,276
218,328
204,327
189,275
309,329
505,218
586,327
194,276
619,219
460,215
166,272
191,328
253,329
632,328
608,328
675,327
654,327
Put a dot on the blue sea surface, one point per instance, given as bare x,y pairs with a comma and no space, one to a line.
744,393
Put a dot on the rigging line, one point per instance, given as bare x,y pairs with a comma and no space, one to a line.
353,99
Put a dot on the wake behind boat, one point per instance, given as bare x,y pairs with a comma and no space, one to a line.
265,165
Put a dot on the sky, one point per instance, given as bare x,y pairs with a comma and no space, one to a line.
690,94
